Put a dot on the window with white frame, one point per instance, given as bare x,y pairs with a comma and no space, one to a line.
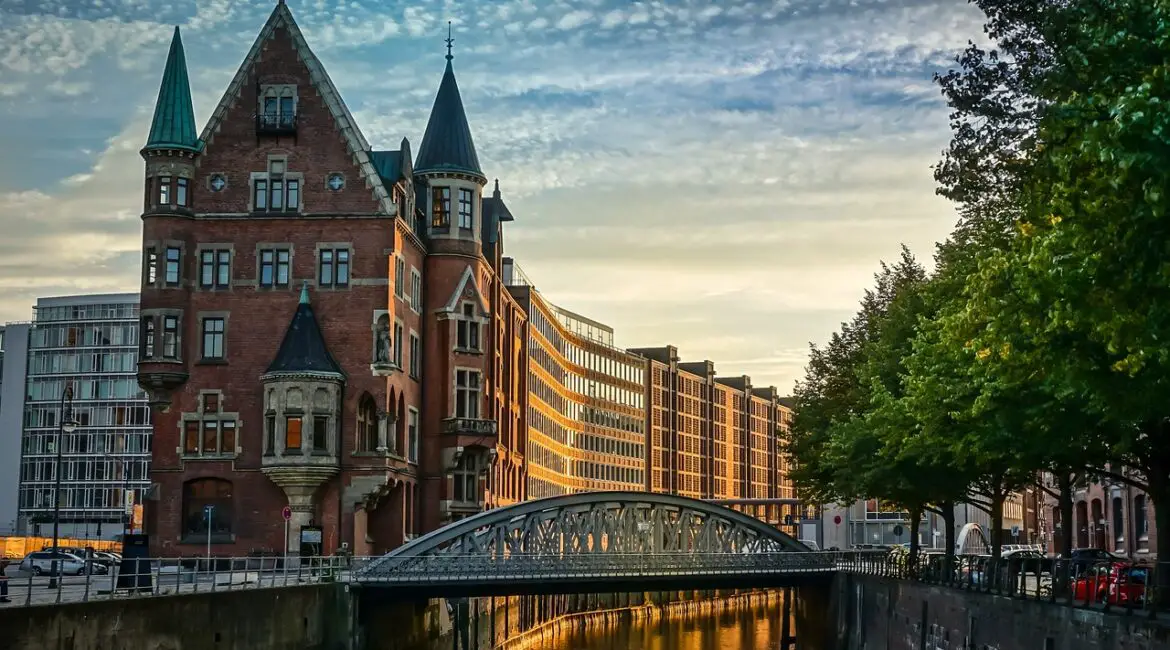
416,291
412,437
467,334
415,356
399,276
467,387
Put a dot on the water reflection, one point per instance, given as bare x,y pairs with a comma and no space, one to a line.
747,627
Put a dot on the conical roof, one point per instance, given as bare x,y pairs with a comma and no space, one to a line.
174,118
447,143
303,349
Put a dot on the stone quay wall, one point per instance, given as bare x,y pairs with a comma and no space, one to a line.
872,613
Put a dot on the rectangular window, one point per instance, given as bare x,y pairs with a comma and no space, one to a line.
415,356
292,434
412,435
215,269
211,403
150,266
333,269
191,437
172,271
465,209
293,201
227,439
171,337
274,267
260,200
398,344
181,192
164,190
147,337
213,333
210,437
440,207
467,330
276,195
269,435
415,291
320,433
467,394
399,273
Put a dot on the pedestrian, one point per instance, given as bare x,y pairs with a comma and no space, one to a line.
4,580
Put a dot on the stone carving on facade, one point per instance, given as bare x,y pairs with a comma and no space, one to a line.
382,363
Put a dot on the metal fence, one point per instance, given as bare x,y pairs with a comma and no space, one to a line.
1113,585
432,570
162,577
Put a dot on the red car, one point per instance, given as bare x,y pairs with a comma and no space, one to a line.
1117,583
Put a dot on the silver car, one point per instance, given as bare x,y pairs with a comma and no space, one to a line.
41,563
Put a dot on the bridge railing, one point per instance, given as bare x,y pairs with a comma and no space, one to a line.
456,567
1140,586
30,585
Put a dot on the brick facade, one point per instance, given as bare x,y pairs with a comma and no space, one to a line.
1116,518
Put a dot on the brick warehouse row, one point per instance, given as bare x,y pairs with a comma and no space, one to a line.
335,330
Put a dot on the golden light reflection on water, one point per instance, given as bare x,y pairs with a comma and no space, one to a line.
747,627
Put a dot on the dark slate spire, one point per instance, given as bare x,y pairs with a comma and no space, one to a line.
303,349
174,118
447,144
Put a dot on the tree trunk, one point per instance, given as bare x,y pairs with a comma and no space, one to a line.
915,524
1064,481
948,515
997,498
1159,495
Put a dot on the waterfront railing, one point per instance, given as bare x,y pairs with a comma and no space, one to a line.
1120,585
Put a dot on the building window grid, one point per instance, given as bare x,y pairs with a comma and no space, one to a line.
466,213
215,268
467,394
440,207
333,265
275,266
213,338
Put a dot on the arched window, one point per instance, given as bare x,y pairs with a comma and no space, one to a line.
1141,520
207,503
1118,507
367,424
401,444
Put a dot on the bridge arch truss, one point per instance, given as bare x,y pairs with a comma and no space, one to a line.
623,534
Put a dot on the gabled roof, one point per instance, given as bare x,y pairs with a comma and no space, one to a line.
303,350
466,285
447,145
173,126
355,142
494,211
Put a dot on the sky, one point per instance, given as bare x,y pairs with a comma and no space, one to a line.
722,176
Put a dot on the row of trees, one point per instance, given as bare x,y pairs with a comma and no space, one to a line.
1040,342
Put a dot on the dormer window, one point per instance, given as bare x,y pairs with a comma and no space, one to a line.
278,109
466,200
440,207
467,334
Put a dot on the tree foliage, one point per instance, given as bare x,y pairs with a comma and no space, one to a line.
1037,345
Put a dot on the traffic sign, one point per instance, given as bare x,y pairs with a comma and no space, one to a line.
898,530
286,513
208,511
837,520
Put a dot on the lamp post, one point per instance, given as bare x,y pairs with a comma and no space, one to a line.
67,426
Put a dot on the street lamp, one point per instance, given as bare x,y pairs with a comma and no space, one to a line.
68,425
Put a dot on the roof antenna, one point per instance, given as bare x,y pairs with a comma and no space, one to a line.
449,41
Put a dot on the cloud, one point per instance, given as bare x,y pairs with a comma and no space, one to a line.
720,176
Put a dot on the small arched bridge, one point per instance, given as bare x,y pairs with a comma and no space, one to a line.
597,541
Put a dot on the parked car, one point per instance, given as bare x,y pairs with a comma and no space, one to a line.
41,563
1117,583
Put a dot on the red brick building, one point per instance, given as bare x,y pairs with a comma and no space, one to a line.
298,286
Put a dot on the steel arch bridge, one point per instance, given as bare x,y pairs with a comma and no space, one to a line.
605,538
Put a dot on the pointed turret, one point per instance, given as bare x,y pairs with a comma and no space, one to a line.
174,118
447,145
303,350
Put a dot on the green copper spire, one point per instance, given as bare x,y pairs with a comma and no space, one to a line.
305,293
174,118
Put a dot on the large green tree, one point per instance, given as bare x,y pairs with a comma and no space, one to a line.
1089,271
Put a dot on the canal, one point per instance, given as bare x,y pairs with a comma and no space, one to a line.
754,625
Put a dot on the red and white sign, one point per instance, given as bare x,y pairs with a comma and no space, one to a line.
837,520
286,513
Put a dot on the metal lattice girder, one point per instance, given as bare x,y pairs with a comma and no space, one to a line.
615,529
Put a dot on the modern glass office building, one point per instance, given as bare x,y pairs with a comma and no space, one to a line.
86,345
